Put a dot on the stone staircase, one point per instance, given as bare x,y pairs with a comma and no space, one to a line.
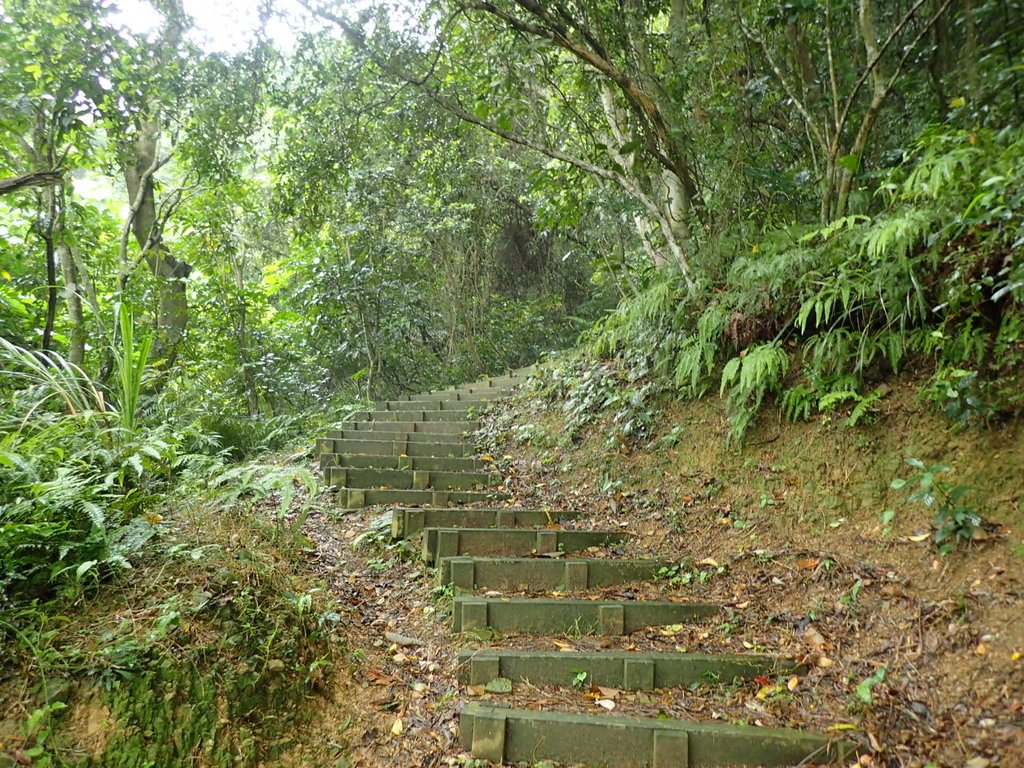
415,454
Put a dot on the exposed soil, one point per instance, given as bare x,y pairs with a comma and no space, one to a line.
786,535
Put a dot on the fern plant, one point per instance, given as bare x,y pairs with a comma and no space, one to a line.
749,378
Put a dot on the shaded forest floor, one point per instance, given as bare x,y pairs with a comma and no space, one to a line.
915,655
336,651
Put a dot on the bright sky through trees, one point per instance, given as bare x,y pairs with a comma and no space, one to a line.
228,26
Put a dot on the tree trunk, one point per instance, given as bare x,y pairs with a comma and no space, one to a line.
46,222
171,273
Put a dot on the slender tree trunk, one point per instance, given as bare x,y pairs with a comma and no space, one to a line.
171,273
252,396
46,224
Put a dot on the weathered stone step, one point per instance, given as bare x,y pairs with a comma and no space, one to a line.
404,479
408,444
579,617
443,401
412,437
463,393
427,463
406,523
606,741
627,670
538,573
410,415
512,542
412,427
354,498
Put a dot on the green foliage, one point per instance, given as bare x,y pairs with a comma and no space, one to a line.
815,316
748,378
864,691
228,660
955,521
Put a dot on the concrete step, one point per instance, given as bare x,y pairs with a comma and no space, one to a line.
410,415
455,428
406,523
410,437
464,394
627,670
511,542
538,573
426,463
605,741
405,479
442,401
354,498
416,446
575,617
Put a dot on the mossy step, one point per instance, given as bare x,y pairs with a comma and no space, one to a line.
426,427
463,393
511,542
354,498
427,463
537,573
412,437
545,616
404,479
410,415
606,741
443,401
628,670
406,523
415,446
494,382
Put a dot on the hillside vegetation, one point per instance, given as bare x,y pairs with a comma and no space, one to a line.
212,250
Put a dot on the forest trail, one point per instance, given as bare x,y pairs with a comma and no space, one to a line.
540,597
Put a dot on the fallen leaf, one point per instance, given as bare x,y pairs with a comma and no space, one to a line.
709,561
793,683
980,649
606,703
397,639
377,677
769,690
499,685
487,457
842,727
814,638
563,646
825,661
918,538
609,693
396,727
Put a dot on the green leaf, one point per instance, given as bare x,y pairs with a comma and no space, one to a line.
850,162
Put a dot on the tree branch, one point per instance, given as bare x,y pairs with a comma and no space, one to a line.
46,178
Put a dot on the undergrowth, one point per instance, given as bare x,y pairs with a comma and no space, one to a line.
816,318
149,609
